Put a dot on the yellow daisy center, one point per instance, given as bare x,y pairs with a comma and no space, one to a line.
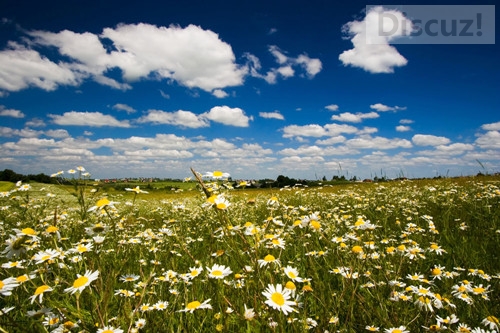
41,289
397,331
193,305
103,202
315,224
21,279
107,331
357,249
278,298
217,273
436,271
52,229
269,258
194,272
80,282
217,173
493,319
28,231
292,275
290,285
1,285
478,290
221,205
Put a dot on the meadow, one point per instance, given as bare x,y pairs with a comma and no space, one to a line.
405,256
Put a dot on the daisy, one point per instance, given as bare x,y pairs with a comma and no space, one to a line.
217,175
292,273
195,305
44,256
372,328
12,264
140,323
278,298
136,190
39,293
268,260
82,281
7,285
221,203
492,322
102,204
400,329
218,271
109,329
194,272
129,277
160,305
249,313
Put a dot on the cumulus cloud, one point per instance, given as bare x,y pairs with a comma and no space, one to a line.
406,121
178,118
287,65
368,142
403,128
94,119
21,68
313,130
382,108
192,56
489,140
371,50
332,107
10,113
228,116
124,107
429,140
57,133
354,118
272,115
219,93
491,126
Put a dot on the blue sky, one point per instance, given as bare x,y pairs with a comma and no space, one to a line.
253,88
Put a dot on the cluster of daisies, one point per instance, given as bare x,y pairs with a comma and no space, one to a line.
294,260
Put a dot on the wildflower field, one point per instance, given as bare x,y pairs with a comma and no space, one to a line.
405,256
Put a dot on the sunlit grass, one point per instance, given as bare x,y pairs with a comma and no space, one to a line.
412,255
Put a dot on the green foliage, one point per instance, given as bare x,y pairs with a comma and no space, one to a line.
364,254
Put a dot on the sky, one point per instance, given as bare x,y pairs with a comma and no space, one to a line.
253,88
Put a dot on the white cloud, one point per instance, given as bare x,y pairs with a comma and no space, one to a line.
193,57
336,129
372,51
311,66
382,108
304,150
402,128
219,93
429,140
35,122
305,130
94,119
491,126
368,142
57,133
124,107
354,118
489,140
286,71
331,141
10,113
332,107
21,68
178,118
228,116
406,121
272,115
280,57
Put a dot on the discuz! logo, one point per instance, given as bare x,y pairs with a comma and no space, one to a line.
431,24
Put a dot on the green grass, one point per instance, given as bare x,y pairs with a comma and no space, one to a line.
354,248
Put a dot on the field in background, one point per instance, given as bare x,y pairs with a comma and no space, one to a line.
412,255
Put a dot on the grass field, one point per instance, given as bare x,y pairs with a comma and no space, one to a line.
406,256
